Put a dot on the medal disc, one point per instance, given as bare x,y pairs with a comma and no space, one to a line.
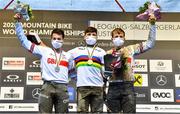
57,69
90,62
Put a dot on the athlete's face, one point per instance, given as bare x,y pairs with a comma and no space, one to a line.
57,41
90,38
118,39
118,34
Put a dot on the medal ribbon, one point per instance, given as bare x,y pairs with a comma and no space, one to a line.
58,61
90,54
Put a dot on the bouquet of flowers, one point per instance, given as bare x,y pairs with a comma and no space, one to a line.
24,10
147,10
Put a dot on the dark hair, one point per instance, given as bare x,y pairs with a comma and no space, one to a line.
90,29
58,31
117,30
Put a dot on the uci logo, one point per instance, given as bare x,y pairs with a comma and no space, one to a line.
162,95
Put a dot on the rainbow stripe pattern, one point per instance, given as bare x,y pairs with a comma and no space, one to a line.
83,61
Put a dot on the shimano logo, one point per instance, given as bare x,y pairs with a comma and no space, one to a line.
162,95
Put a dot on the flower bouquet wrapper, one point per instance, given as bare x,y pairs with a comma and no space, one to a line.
24,10
147,10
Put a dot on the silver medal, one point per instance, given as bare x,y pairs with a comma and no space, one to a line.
57,69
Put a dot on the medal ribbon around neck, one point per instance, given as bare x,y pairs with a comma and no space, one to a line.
90,61
57,61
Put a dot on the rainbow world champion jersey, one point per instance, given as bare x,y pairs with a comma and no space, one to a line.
89,74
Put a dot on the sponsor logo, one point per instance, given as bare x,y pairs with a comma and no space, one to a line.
12,78
157,108
161,80
12,93
140,65
142,95
13,63
35,93
72,107
34,78
10,106
35,64
177,80
162,95
72,94
160,65
140,80
21,107
2,107
178,95
176,67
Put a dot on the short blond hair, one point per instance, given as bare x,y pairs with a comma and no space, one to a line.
117,30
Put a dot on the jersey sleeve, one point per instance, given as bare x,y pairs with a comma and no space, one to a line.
71,52
71,66
102,62
33,48
146,45
102,59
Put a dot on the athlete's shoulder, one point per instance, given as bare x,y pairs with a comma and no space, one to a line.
81,48
109,51
66,53
100,49
76,49
45,48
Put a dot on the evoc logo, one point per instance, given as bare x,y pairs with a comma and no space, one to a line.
162,95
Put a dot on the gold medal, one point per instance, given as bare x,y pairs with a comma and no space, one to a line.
90,55
90,62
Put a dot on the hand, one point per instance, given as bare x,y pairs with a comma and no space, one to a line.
18,17
152,19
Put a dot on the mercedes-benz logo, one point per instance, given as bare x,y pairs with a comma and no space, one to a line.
161,80
35,93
